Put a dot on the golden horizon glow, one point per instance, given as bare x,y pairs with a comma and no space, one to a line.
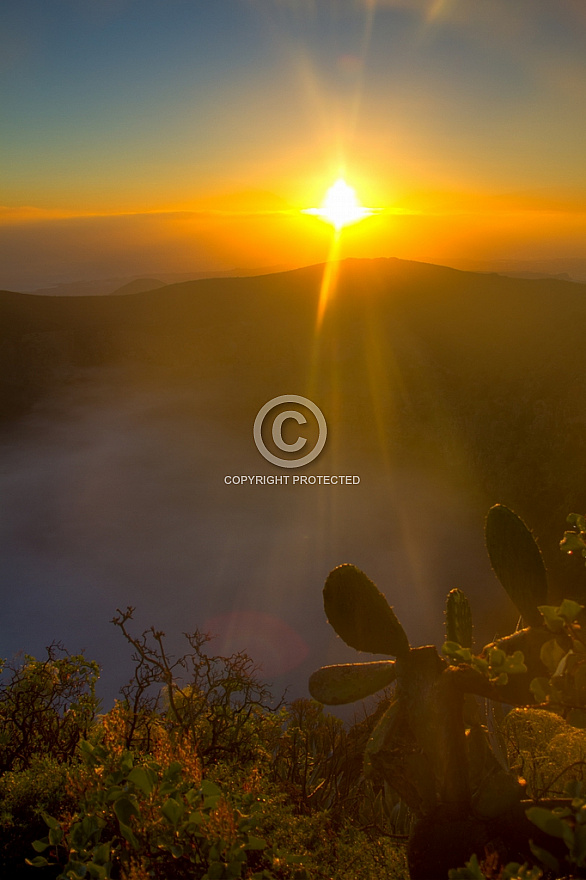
340,206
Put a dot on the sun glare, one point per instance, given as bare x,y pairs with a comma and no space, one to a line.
340,206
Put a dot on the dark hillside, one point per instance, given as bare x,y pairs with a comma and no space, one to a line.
481,378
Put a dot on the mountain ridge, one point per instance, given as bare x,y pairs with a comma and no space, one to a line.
480,377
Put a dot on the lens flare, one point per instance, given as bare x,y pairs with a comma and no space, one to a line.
340,206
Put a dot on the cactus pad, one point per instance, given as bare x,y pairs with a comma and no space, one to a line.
348,682
516,560
458,619
361,615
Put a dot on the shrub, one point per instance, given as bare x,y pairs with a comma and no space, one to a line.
46,707
213,700
24,796
156,816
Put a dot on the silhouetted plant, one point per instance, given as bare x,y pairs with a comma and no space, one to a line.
430,745
46,706
213,700
317,759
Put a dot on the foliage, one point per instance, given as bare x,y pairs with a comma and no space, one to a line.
46,707
564,657
195,773
575,541
280,780
315,760
212,700
159,813
431,745
566,822
419,746
495,665
513,871
544,750
24,796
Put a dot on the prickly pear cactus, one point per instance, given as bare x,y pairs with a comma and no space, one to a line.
361,615
458,619
349,682
517,562
432,751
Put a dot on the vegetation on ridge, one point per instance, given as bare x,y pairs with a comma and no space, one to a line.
196,773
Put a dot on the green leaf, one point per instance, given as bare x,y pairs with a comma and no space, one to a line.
553,621
540,688
517,562
172,810
496,657
55,836
546,857
579,849
458,654
102,853
127,762
577,520
37,862
551,655
124,809
210,788
40,845
128,834
361,615
143,779
96,872
50,821
572,543
547,821
569,610
471,871
348,682
255,843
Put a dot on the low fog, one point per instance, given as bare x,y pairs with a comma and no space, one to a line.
445,392
114,500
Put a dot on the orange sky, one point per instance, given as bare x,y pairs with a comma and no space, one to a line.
170,136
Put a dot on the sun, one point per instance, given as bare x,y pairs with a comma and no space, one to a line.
340,206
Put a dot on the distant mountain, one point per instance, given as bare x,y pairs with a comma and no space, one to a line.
568,269
139,285
479,379
109,286
561,276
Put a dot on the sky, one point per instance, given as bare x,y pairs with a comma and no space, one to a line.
145,136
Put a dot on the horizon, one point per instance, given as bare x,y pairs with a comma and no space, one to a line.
571,269
203,135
